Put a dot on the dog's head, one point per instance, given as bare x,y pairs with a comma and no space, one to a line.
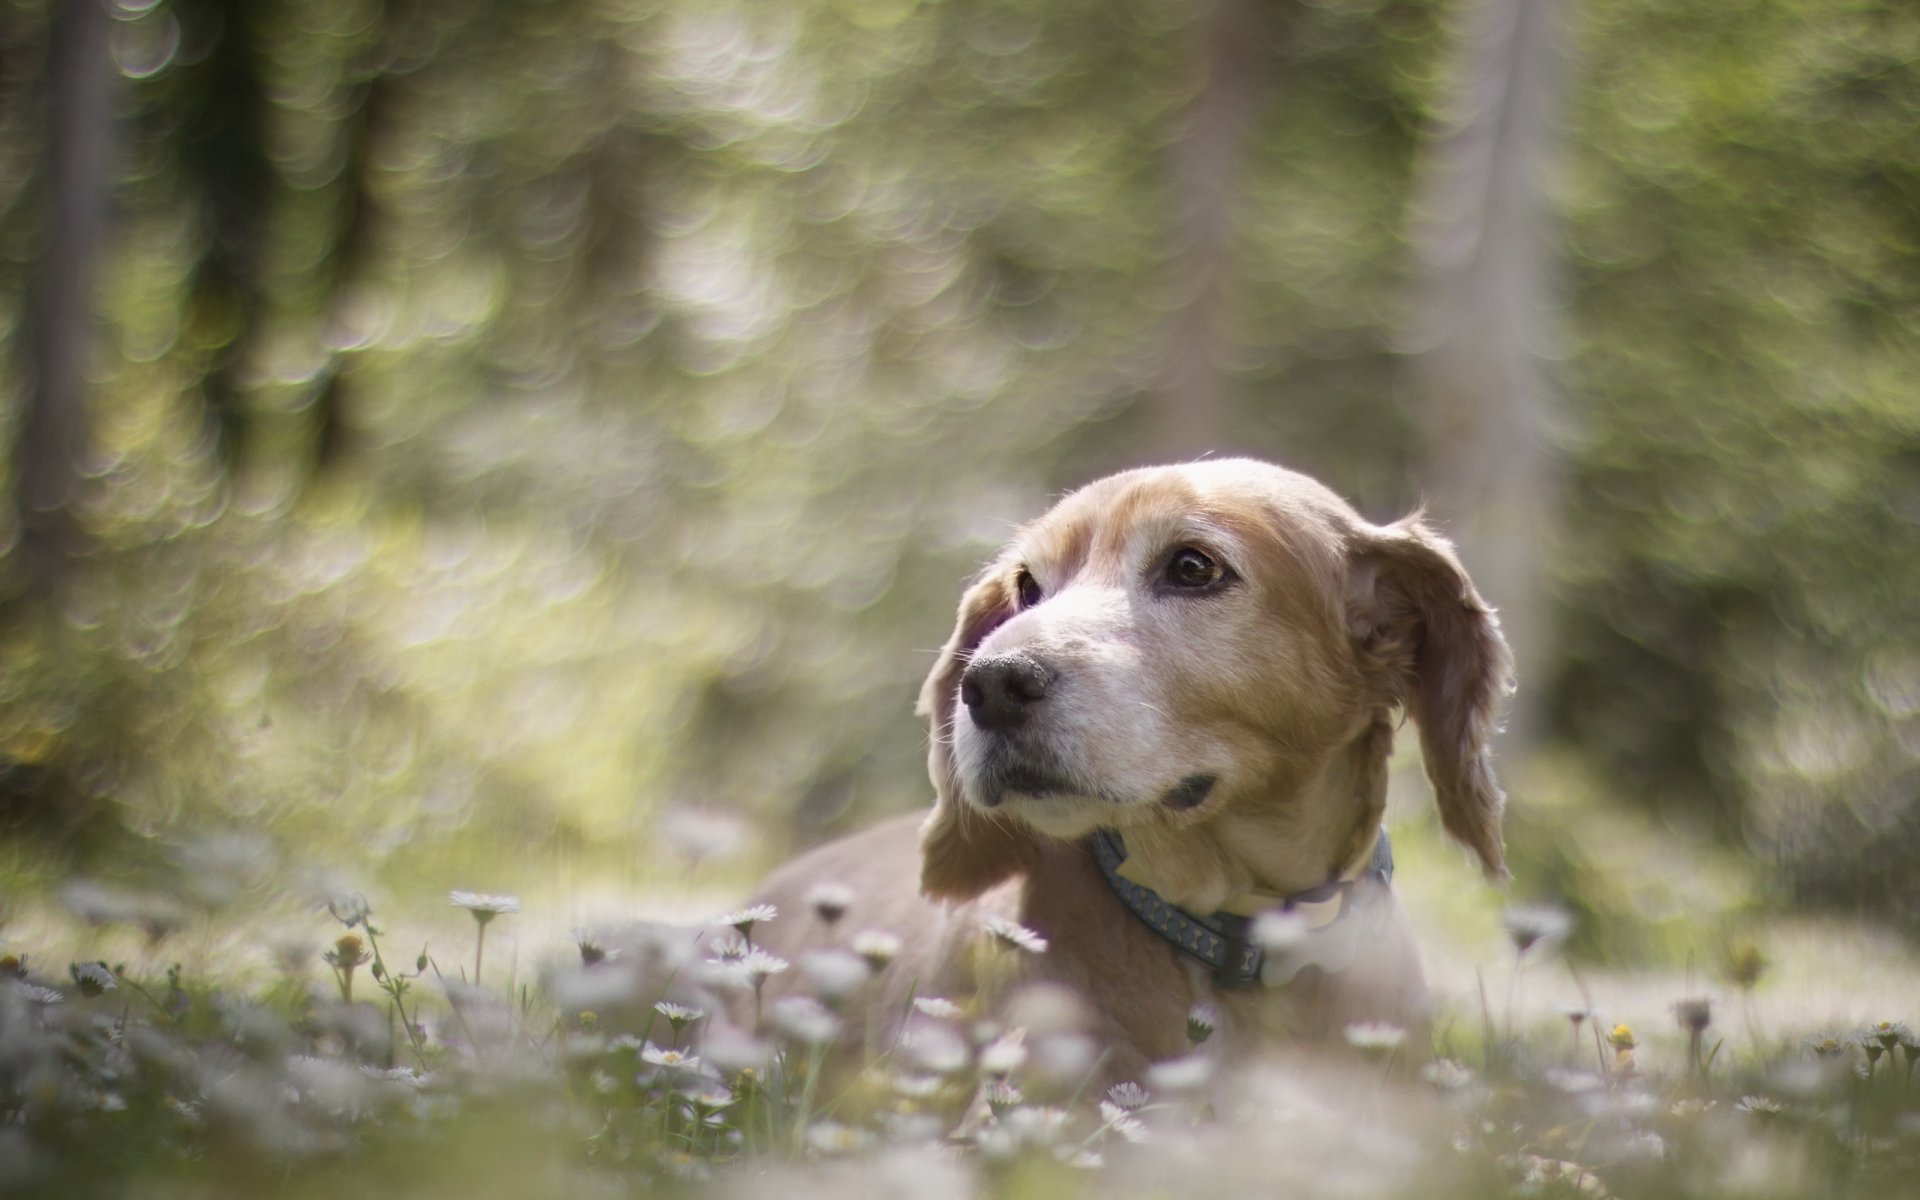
1175,646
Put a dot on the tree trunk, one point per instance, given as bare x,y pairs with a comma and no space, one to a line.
1236,56
52,439
1482,325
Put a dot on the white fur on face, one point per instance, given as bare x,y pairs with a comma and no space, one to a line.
1116,731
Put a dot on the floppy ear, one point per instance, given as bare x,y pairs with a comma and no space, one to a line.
1434,647
964,851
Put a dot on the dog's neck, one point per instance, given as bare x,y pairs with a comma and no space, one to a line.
1316,831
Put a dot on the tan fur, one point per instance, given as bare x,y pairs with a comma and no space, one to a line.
1284,687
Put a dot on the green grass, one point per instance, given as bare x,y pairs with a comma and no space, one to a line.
322,1078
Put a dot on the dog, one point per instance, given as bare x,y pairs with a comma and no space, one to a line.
1158,744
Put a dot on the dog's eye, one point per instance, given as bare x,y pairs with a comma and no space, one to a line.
1189,568
1030,594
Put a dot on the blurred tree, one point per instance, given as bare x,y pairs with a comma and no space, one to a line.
1238,53
1746,489
219,129
75,99
1482,326
375,78
691,355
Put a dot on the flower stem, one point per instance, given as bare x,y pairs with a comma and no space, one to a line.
804,1113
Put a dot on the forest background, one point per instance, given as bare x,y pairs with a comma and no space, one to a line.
489,445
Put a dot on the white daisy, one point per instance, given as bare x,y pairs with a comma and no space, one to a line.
805,1020
1037,1126
744,919
1646,1144
1571,1081
1202,1020
1005,1055
1277,931
835,974
1124,1123
934,1048
915,1085
92,978
484,906
758,965
593,948
831,1137
673,1060
1184,1074
913,1128
1014,935
877,946
1002,1096
830,901
678,1015
1128,1095
1375,1035
1530,924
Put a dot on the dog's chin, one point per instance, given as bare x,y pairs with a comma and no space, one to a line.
1066,813
1058,815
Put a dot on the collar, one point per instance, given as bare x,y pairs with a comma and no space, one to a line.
1220,940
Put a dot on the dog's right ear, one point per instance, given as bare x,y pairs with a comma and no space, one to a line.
964,851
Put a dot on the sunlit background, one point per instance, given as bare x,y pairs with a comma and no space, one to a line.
499,445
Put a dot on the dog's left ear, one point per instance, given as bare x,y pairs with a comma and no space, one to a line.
1433,646
964,851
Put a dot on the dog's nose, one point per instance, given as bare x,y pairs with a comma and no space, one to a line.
1000,691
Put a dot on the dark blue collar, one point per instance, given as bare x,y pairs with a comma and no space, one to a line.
1220,940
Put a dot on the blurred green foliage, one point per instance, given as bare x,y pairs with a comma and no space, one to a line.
1743,209
511,420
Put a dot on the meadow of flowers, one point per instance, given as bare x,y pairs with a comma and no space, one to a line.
384,1070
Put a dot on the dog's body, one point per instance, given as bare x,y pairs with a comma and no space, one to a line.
1138,986
1207,661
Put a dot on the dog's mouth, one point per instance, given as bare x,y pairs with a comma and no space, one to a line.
1043,779
1037,777
1190,792
1026,780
